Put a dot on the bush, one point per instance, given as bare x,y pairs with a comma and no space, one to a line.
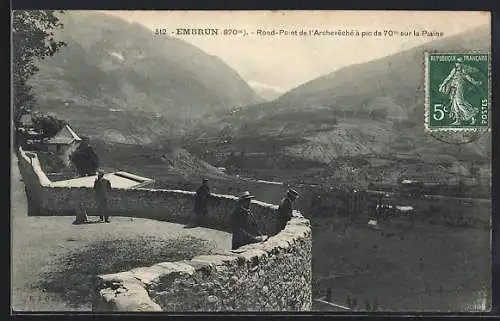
379,113
85,159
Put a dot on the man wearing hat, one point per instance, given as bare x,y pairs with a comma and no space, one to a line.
102,188
201,200
243,223
285,209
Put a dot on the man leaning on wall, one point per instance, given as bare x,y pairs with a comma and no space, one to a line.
244,224
102,189
285,209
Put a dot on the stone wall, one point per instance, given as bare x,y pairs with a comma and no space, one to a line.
161,204
271,276
34,180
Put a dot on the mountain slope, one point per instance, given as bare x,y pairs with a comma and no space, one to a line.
398,77
374,107
364,122
110,62
391,86
125,89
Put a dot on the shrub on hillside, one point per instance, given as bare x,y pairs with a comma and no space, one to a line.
379,113
85,159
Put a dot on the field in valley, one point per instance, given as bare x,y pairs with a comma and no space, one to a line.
425,268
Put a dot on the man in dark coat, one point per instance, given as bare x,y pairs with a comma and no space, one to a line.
102,188
285,209
243,223
201,200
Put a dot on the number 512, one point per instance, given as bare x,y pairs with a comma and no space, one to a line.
439,112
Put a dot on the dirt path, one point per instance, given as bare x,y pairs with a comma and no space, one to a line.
53,260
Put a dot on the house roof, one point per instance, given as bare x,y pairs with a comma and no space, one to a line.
65,136
117,180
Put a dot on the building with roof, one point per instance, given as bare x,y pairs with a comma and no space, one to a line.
119,179
64,143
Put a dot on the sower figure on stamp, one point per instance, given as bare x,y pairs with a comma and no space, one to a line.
201,200
243,223
102,188
455,86
285,209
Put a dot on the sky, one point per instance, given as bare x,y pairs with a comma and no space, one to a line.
284,62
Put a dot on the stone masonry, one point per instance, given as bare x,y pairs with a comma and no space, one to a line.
270,276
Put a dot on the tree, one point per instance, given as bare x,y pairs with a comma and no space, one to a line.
475,172
379,113
242,159
48,125
230,161
462,187
32,39
85,159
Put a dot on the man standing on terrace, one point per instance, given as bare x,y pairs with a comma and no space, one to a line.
102,188
243,223
285,209
201,201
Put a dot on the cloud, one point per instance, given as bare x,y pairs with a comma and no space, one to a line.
256,84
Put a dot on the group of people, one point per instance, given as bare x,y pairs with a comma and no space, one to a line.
244,224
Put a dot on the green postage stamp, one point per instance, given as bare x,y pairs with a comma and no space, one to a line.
457,91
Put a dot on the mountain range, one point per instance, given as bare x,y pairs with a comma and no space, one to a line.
375,107
111,63
124,87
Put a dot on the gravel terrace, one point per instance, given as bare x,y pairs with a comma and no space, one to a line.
54,261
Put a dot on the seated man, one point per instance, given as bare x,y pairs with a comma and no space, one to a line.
243,223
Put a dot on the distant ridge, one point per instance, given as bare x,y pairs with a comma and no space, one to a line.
115,64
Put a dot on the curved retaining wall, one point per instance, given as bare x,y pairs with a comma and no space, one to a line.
271,276
34,180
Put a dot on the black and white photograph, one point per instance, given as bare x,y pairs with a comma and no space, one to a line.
250,161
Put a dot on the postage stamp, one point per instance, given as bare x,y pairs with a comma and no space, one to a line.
457,91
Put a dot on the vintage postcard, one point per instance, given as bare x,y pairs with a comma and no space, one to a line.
213,161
